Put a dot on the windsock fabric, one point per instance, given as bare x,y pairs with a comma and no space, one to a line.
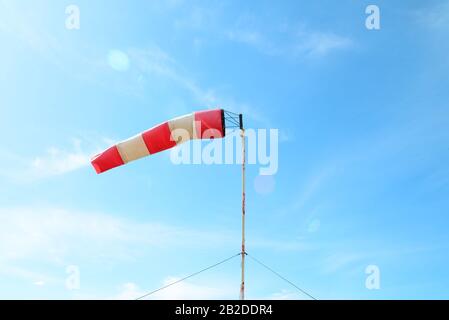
161,137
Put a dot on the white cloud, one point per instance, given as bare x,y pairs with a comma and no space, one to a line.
279,245
36,278
435,17
185,290
225,289
53,234
191,290
129,291
90,67
299,44
53,162
338,261
58,161
255,39
154,61
286,295
317,44
55,238
23,25
310,189
39,283
199,18
28,27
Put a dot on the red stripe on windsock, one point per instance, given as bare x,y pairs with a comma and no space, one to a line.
209,119
106,160
158,138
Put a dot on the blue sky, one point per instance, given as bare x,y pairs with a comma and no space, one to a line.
363,150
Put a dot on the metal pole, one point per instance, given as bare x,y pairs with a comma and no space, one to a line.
242,286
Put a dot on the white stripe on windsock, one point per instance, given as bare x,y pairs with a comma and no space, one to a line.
132,148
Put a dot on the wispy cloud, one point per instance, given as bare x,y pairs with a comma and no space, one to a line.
57,161
338,261
436,16
21,25
36,235
58,237
198,18
56,49
53,233
154,61
256,40
190,290
318,44
36,278
151,62
129,291
301,43
303,201
286,295
312,187
280,245
53,162
185,290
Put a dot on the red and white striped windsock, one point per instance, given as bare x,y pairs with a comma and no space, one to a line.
197,125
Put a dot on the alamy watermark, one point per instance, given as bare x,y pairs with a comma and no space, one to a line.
372,22
262,148
372,281
72,21
73,280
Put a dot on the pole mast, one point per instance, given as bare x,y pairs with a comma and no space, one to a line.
242,135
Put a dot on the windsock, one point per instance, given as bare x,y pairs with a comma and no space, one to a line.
197,125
